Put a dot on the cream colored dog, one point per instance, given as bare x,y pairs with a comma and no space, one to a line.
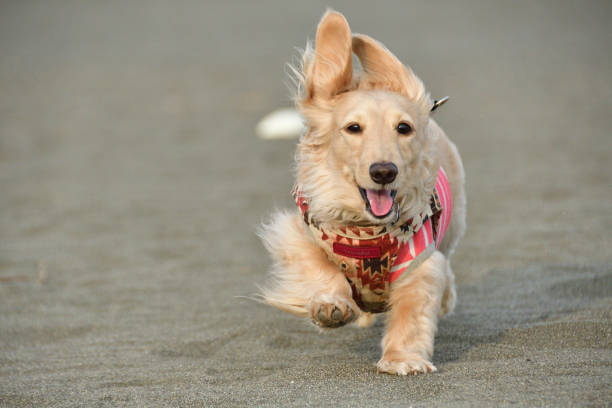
369,161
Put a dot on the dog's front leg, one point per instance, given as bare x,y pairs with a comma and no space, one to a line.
304,281
412,319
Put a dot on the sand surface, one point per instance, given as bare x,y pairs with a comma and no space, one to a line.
131,184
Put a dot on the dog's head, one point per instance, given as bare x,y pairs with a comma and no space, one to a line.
367,153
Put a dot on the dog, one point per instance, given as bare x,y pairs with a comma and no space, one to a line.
380,201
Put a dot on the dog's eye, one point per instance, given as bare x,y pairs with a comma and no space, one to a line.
404,129
353,128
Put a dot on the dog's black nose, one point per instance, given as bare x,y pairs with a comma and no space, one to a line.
383,172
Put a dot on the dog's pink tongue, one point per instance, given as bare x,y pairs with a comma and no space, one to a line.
380,201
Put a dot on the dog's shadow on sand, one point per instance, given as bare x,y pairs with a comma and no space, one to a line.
452,341
533,306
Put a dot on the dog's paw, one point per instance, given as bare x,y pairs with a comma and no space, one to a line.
331,311
410,364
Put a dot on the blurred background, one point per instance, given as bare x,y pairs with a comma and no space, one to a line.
132,183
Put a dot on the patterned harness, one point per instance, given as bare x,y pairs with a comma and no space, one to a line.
374,257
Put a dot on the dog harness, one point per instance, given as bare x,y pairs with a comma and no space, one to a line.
374,257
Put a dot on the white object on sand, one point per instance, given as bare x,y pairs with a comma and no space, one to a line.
284,123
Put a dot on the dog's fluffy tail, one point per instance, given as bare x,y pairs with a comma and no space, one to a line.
284,123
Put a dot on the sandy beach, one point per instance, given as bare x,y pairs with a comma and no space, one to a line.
132,183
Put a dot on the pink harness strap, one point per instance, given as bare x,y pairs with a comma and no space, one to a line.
444,193
424,237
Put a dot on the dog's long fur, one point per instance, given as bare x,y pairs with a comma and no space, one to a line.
332,164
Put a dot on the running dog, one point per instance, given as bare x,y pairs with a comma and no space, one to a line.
380,201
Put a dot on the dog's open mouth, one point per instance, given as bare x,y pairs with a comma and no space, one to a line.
378,202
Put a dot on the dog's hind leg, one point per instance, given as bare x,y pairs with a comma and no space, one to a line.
304,282
412,320
450,295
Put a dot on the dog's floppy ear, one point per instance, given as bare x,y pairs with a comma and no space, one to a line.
331,70
384,71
